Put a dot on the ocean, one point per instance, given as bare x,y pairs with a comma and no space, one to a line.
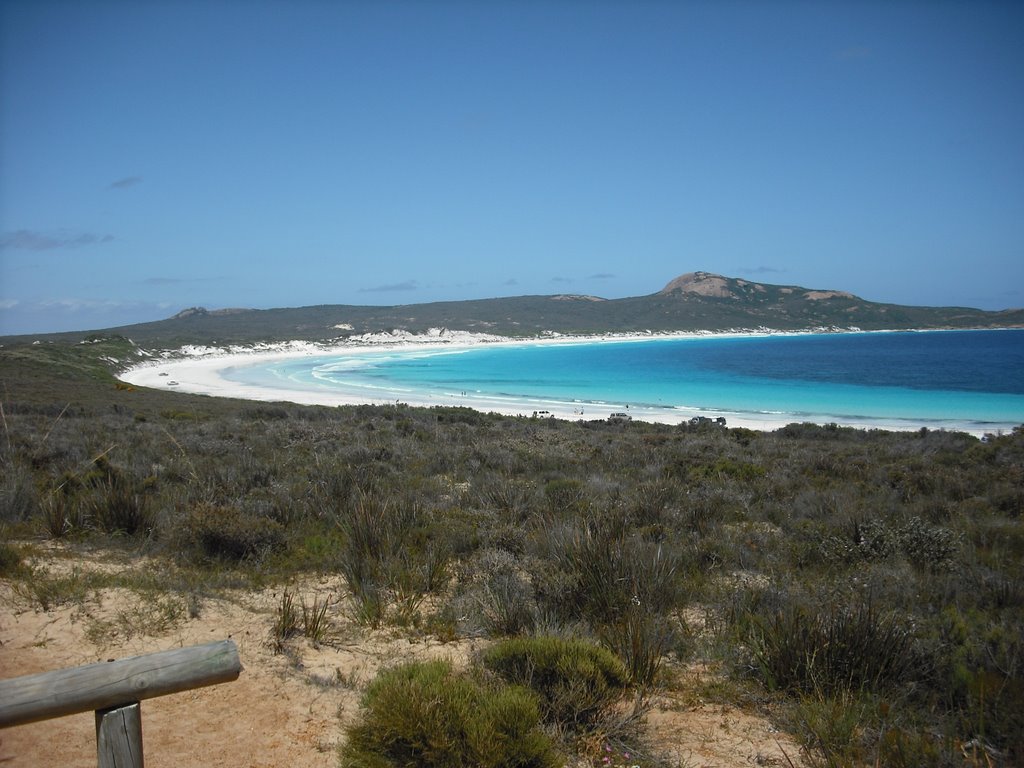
942,378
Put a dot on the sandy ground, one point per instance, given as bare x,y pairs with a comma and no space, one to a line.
287,708
200,370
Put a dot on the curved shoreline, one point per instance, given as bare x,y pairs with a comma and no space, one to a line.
199,370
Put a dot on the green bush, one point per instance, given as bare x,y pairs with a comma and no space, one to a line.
979,668
423,714
578,682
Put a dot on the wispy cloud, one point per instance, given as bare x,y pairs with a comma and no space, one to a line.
511,281
28,240
79,305
560,280
127,181
74,313
74,304
602,276
407,285
853,52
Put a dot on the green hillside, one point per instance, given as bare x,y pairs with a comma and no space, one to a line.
695,301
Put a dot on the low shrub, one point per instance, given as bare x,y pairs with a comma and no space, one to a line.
929,546
226,533
10,558
424,714
851,728
578,682
511,497
979,671
866,540
926,546
148,615
651,503
831,726
50,590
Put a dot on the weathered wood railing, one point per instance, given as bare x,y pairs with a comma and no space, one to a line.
113,690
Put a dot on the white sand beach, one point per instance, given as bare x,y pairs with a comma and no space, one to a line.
200,370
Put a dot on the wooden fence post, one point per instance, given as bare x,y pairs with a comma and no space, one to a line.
119,736
114,691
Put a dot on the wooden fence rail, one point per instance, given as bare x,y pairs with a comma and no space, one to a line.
113,690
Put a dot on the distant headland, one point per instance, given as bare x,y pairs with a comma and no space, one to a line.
692,302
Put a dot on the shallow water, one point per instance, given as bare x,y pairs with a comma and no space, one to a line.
972,377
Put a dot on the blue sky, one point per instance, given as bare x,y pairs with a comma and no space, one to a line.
160,155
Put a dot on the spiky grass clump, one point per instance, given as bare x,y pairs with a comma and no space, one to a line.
19,498
607,571
286,622
116,506
315,625
389,555
846,648
642,641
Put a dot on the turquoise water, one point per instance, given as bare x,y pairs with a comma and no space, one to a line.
974,377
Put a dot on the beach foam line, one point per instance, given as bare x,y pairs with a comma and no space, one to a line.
200,370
